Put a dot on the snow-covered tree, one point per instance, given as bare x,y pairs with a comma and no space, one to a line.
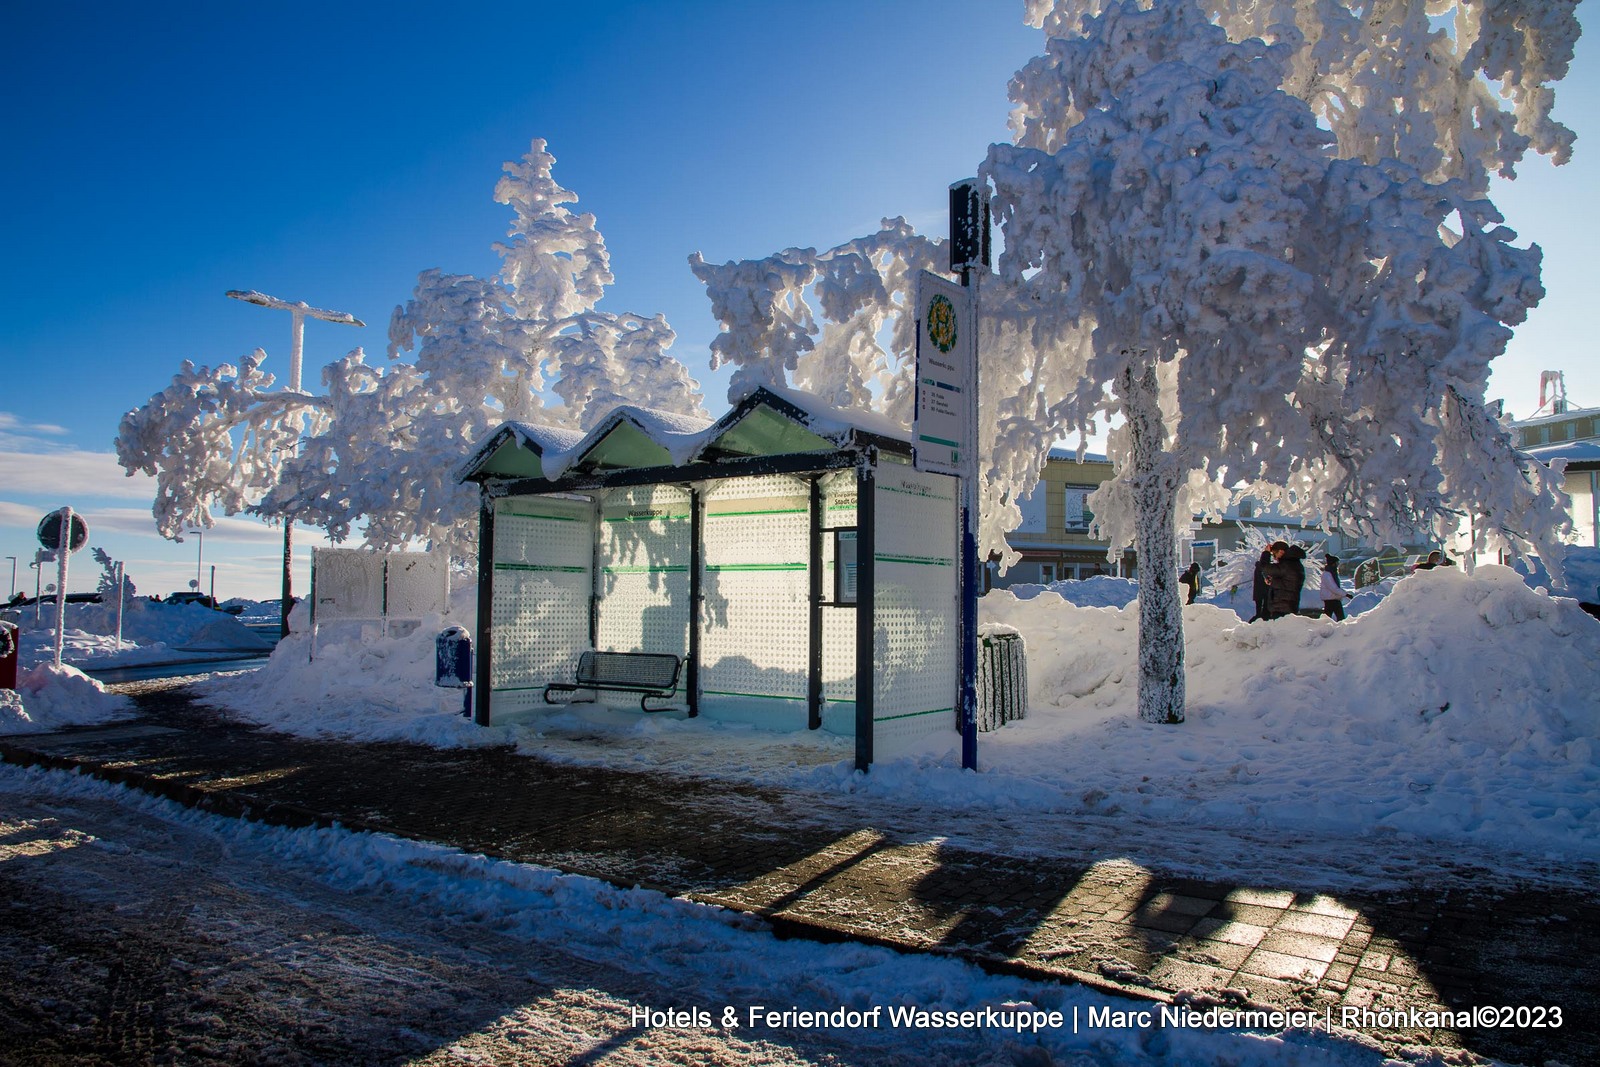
1460,89
1253,307
484,351
817,319
216,438
107,586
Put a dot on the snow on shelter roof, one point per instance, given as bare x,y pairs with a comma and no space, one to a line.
765,421
516,448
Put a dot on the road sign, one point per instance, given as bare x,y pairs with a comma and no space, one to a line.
50,531
947,355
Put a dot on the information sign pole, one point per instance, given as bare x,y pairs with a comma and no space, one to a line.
947,414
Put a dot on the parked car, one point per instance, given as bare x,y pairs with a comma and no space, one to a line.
189,596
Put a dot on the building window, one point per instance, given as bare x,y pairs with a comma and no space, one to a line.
1078,515
1247,508
1047,573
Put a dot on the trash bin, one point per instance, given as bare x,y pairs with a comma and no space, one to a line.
453,666
1002,677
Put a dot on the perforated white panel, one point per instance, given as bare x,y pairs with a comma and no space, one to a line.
418,584
347,583
754,622
916,611
543,566
645,550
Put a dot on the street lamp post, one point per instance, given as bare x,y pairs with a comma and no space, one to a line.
298,311
13,560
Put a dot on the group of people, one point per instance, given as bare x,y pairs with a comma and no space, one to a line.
1280,576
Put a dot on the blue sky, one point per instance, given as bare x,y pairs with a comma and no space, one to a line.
160,155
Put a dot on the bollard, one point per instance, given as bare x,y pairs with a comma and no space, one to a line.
453,666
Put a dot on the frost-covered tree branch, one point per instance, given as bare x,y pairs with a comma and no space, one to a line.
215,438
1459,89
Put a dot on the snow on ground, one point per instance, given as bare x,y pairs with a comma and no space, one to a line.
380,942
1460,709
50,698
151,633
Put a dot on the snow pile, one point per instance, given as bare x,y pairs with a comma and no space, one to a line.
1099,591
151,633
1580,574
1458,707
357,684
49,698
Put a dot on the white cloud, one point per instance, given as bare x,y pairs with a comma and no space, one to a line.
70,476
19,434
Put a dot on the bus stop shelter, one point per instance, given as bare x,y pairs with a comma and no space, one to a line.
791,556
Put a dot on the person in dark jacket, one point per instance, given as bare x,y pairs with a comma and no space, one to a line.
1191,580
1258,584
1285,576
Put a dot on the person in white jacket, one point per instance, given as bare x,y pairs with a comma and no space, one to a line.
1333,595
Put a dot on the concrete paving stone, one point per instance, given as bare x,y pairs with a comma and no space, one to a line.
1339,972
1234,933
1321,949
1376,961
1215,953
1173,975
1302,922
1180,904
1253,914
1263,963
1322,904
1171,922
1265,898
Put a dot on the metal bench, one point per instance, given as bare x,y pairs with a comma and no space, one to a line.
654,675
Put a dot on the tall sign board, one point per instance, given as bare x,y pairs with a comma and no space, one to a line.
947,372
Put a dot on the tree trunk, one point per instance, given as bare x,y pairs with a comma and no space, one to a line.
1155,498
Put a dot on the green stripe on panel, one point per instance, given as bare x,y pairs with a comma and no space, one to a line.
768,511
753,696
672,517
916,714
539,567
926,561
756,566
540,515
675,569
939,441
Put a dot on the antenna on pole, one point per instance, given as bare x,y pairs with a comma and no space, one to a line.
298,311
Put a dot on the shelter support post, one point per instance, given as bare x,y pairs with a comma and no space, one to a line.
697,556
483,693
814,657
866,592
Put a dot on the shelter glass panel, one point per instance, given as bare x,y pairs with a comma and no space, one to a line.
916,607
643,592
543,579
756,591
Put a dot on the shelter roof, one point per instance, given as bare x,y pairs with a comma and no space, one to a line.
766,421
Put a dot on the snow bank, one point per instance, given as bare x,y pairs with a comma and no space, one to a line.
1458,707
151,633
355,684
49,698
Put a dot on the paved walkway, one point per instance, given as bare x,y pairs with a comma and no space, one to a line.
1113,924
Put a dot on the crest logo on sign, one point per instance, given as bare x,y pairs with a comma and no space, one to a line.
942,323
